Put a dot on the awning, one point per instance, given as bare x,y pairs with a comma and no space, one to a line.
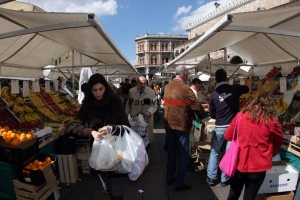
261,37
5,1
29,41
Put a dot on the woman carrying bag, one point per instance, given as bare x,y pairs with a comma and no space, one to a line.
259,137
99,115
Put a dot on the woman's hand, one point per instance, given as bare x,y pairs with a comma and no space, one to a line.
105,130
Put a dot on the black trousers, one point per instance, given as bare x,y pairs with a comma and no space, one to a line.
252,182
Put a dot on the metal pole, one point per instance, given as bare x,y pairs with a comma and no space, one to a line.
73,64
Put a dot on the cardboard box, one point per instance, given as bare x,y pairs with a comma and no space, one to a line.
276,196
280,178
68,168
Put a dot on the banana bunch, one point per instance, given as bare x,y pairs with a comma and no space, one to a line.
294,84
281,105
276,84
245,96
52,92
17,108
5,93
20,100
31,117
266,86
27,109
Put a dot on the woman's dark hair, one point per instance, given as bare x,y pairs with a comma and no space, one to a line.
95,79
84,87
261,109
221,75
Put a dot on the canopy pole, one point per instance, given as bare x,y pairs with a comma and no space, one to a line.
73,64
225,58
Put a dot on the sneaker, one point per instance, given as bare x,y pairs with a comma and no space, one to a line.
210,181
184,187
170,182
225,183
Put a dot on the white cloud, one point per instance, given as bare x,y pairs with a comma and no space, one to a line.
127,7
181,23
133,61
99,7
182,10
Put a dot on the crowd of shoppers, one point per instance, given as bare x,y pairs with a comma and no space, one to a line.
104,107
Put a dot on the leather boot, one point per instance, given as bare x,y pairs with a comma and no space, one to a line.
117,197
108,195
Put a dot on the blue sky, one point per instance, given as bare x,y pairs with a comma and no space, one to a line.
123,19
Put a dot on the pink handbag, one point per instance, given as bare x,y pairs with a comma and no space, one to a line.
229,161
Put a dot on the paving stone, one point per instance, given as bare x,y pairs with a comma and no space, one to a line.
155,194
154,185
134,185
192,195
132,195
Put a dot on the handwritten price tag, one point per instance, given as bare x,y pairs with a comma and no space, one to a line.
35,86
47,86
242,81
282,84
56,85
14,87
25,88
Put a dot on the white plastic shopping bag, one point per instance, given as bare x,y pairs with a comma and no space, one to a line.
105,157
121,148
138,153
138,124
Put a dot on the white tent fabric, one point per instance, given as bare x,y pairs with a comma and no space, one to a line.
85,75
262,37
33,40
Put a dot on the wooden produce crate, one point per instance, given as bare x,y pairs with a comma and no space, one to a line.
26,191
291,144
68,168
203,153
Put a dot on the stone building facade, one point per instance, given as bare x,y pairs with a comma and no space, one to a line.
153,50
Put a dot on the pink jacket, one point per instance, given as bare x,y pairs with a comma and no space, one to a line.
258,143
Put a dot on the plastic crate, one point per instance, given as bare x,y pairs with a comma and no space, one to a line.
36,177
19,155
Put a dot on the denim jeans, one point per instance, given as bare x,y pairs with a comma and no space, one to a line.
216,145
114,184
178,144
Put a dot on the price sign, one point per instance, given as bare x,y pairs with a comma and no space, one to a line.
242,81
14,87
62,85
25,88
231,81
55,85
282,84
35,86
47,86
